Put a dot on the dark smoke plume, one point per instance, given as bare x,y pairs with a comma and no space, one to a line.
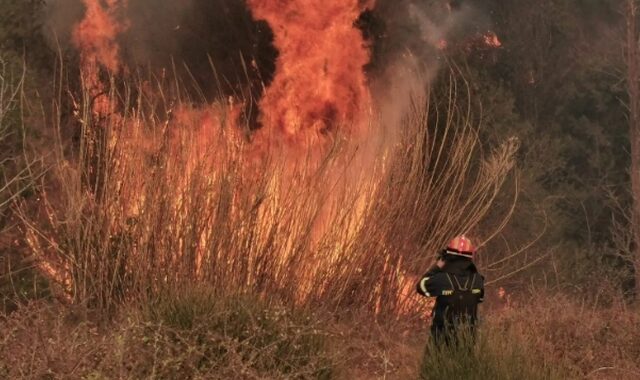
407,47
197,38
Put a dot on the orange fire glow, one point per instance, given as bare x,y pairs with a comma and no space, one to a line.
95,38
478,42
491,40
319,90
319,83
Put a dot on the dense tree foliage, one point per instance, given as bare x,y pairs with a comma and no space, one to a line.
557,83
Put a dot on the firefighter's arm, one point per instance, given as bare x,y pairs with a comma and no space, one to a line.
430,285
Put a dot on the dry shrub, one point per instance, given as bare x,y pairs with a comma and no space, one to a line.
42,341
188,337
18,171
386,349
487,355
243,332
592,339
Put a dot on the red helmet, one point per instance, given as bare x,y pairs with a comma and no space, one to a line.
461,246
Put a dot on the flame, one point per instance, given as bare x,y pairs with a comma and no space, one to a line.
491,40
319,90
505,298
319,84
95,38
477,42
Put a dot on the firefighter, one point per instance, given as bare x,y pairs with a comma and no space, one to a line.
458,288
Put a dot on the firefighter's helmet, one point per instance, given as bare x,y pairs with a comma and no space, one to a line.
461,246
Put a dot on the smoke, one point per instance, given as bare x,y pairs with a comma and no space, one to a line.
409,42
61,15
215,43
220,46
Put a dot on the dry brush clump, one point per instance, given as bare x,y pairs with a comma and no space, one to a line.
16,170
19,170
184,336
588,337
546,335
489,355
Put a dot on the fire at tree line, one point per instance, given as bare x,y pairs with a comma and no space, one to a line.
184,183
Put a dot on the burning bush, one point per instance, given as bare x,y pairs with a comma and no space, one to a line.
150,203
328,202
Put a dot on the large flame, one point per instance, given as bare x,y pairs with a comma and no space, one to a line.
95,38
319,83
319,90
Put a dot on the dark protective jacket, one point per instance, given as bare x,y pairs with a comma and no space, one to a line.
458,288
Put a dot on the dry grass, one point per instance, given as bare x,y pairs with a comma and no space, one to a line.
16,172
152,199
236,338
597,339
192,334
490,355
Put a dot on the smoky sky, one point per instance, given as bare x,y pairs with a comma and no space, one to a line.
215,43
398,27
219,46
